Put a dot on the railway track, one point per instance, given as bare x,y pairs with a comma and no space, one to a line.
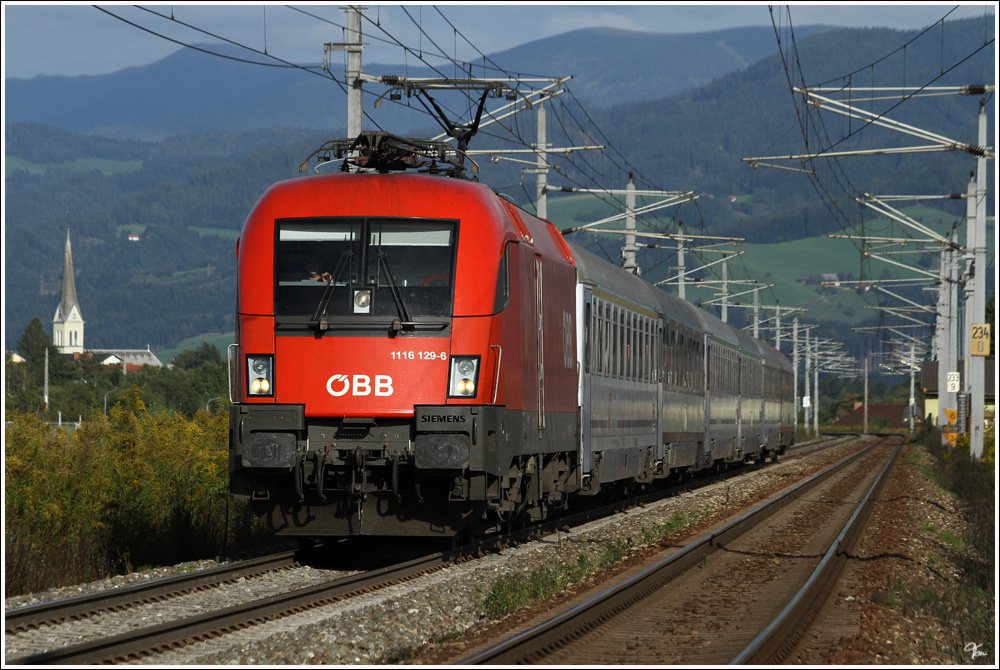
107,642
52,613
725,598
146,640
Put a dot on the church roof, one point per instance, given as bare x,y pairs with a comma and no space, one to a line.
68,298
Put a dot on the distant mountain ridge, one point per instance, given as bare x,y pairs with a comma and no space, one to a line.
186,195
190,91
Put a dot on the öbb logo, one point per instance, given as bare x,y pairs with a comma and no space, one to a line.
358,385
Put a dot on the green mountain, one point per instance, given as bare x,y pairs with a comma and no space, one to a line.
186,195
193,92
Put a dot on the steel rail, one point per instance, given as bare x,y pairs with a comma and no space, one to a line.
780,636
143,641
23,618
586,615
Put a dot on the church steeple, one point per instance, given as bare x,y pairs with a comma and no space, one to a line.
67,324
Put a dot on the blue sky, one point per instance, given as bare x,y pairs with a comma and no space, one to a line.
73,39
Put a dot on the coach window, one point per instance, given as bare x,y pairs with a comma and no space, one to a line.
613,356
635,346
609,336
602,342
658,352
622,344
651,350
643,350
598,336
629,346
626,344
503,282
587,331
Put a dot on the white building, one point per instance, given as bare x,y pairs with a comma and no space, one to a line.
67,324
67,327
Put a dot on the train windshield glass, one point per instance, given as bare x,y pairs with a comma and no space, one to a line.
407,265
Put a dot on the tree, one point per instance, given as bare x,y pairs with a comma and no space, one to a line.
33,343
32,346
192,358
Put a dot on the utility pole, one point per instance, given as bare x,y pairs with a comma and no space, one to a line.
629,216
795,365
777,334
816,390
680,260
913,400
977,376
968,282
541,148
864,428
354,74
725,289
806,404
628,251
949,379
542,171
355,98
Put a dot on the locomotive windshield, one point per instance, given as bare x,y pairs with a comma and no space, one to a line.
364,267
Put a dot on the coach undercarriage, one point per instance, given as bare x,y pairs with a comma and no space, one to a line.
365,476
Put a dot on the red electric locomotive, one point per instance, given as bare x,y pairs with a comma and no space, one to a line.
418,356
406,349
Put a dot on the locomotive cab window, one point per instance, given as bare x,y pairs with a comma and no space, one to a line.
358,267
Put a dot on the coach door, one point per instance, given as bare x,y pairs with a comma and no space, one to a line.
590,348
540,340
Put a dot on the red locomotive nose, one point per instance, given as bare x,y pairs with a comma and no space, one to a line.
362,376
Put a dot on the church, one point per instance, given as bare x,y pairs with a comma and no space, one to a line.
68,323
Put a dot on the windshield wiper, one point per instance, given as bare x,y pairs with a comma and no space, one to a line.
319,316
397,297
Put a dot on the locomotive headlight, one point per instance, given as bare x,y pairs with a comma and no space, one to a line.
465,367
463,376
260,374
362,301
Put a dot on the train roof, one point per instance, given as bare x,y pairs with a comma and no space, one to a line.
593,270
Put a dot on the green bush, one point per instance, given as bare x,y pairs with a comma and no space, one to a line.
129,489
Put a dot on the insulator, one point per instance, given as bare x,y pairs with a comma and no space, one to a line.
974,89
978,152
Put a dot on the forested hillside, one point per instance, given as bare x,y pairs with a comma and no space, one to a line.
186,195
186,202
